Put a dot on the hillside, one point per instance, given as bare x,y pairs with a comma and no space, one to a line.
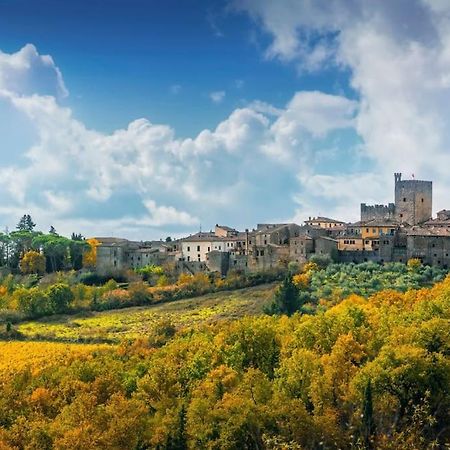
367,373
112,326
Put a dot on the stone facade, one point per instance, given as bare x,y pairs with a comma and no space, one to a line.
413,203
377,212
431,246
413,200
115,254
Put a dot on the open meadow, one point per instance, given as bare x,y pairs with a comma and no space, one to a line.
130,323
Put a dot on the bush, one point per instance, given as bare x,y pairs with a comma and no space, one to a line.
96,279
32,302
60,298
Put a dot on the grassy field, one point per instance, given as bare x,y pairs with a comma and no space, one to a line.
115,325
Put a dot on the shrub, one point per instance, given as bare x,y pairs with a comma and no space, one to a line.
60,298
32,302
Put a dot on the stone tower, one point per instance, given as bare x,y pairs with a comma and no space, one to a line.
413,200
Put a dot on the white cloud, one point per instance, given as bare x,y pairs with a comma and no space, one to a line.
168,215
27,72
217,96
143,180
398,56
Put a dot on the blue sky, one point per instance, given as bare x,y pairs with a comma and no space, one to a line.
150,118
161,60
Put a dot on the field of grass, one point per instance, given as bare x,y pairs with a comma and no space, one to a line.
115,325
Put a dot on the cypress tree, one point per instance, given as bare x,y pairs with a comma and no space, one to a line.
367,419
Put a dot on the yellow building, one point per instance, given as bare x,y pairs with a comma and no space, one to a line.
377,228
324,222
350,243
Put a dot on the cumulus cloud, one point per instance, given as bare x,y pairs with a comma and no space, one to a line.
144,181
398,57
27,72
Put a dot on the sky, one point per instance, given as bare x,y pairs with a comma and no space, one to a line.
143,119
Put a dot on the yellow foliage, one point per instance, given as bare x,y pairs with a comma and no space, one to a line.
184,278
90,256
302,280
414,263
32,262
310,267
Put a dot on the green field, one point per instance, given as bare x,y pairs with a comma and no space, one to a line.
115,325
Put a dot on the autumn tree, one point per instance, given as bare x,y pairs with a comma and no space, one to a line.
32,262
90,256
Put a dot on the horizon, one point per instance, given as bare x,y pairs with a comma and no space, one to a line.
159,118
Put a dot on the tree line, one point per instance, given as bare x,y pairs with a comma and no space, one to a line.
32,251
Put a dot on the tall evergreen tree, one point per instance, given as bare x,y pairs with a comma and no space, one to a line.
367,419
286,299
26,223
177,440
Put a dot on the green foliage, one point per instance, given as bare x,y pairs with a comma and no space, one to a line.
32,302
26,223
286,299
60,298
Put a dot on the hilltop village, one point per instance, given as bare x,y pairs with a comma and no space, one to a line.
395,232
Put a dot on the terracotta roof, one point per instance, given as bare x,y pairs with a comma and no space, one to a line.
429,231
323,219
224,227
381,223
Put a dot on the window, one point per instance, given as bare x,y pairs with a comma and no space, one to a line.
401,215
262,252
404,199
265,242
189,249
188,258
199,257
422,200
209,249
367,230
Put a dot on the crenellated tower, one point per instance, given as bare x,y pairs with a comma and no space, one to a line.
413,200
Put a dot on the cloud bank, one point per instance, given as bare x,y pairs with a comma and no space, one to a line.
318,153
143,181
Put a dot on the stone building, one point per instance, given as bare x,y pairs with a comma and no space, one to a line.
377,212
325,222
301,247
413,200
413,203
115,254
430,245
